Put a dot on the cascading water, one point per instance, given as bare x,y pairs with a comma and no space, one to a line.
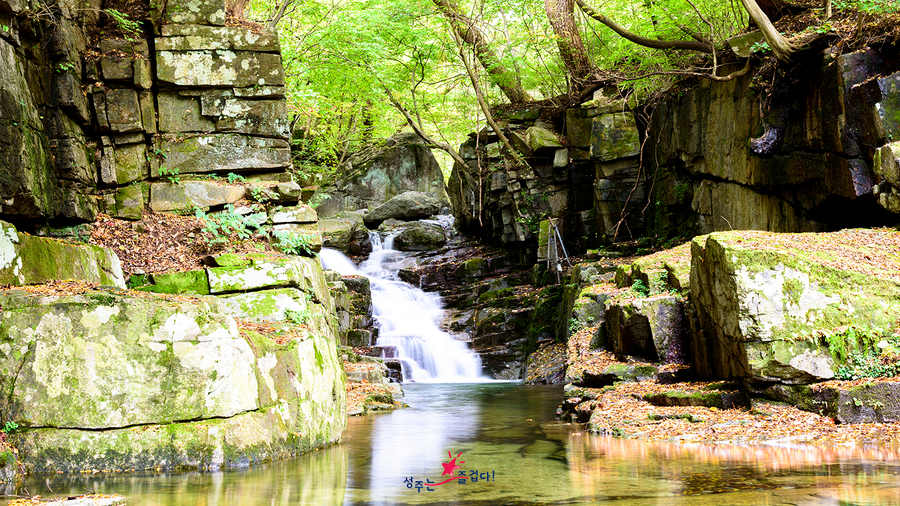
408,318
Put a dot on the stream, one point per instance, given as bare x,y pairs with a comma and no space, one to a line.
507,433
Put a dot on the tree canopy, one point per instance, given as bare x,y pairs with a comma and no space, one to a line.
363,69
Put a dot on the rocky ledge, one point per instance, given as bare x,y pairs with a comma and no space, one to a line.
764,338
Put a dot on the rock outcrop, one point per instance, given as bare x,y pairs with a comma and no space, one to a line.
25,259
109,380
704,159
116,130
776,314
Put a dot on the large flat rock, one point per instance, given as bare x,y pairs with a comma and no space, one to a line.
219,67
224,153
101,360
190,194
117,382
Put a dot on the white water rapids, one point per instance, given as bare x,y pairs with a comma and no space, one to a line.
408,318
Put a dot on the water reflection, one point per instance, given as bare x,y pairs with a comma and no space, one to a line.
510,431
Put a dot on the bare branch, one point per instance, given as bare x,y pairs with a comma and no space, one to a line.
691,45
487,110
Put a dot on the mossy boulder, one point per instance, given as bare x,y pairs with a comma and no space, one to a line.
94,366
410,205
709,399
613,136
614,374
194,282
271,272
375,174
25,259
103,360
297,214
774,307
345,232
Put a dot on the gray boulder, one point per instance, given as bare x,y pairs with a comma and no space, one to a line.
420,236
411,205
374,175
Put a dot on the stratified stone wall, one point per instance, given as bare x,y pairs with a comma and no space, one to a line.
819,152
92,126
590,177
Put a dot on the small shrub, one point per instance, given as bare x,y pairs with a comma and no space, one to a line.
172,175
640,288
293,243
219,228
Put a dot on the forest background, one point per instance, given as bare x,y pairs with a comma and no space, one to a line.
359,70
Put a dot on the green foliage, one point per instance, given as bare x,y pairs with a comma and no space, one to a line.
65,66
640,288
865,353
293,243
172,175
235,178
221,227
302,316
574,326
9,427
317,199
868,6
760,47
681,190
129,28
259,194
298,317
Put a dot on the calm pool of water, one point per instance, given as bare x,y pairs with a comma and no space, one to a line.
507,433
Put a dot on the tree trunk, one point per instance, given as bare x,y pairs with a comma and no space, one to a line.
508,81
783,49
568,38
236,7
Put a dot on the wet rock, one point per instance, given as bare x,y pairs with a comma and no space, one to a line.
420,236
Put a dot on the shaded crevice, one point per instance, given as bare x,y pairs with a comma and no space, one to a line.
260,410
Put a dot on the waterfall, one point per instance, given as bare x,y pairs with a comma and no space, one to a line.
408,318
